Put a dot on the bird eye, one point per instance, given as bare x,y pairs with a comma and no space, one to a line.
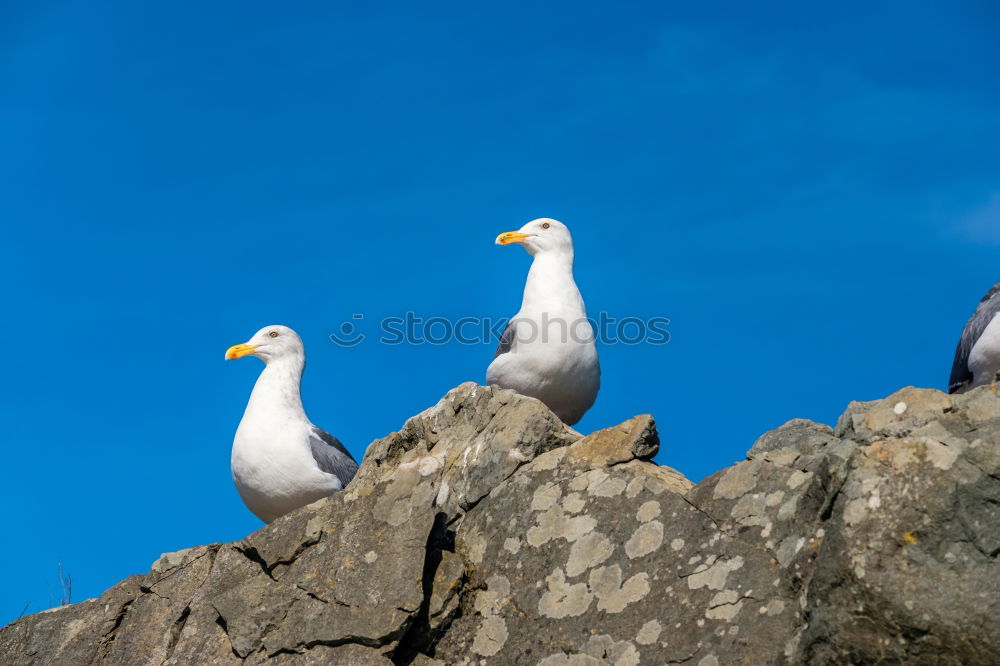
273,334
545,225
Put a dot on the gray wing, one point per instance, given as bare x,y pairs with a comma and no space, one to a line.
331,456
506,340
988,308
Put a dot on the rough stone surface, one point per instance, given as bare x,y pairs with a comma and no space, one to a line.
486,532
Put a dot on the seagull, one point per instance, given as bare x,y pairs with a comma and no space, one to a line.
547,350
977,356
281,461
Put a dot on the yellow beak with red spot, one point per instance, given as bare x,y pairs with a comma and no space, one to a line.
239,351
511,237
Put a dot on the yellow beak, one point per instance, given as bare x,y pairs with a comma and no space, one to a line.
510,237
239,351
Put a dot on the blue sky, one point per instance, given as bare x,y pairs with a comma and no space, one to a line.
811,194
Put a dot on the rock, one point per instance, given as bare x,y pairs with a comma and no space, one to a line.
800,435
486,532
909,570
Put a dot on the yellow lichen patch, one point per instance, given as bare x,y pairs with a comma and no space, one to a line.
881,453
910,537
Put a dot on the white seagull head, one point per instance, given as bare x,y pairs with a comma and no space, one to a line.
541,236
268,344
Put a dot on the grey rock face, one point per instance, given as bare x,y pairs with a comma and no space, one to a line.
486,532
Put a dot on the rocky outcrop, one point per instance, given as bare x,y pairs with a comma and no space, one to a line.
485,531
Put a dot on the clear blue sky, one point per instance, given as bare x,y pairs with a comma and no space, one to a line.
811,195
